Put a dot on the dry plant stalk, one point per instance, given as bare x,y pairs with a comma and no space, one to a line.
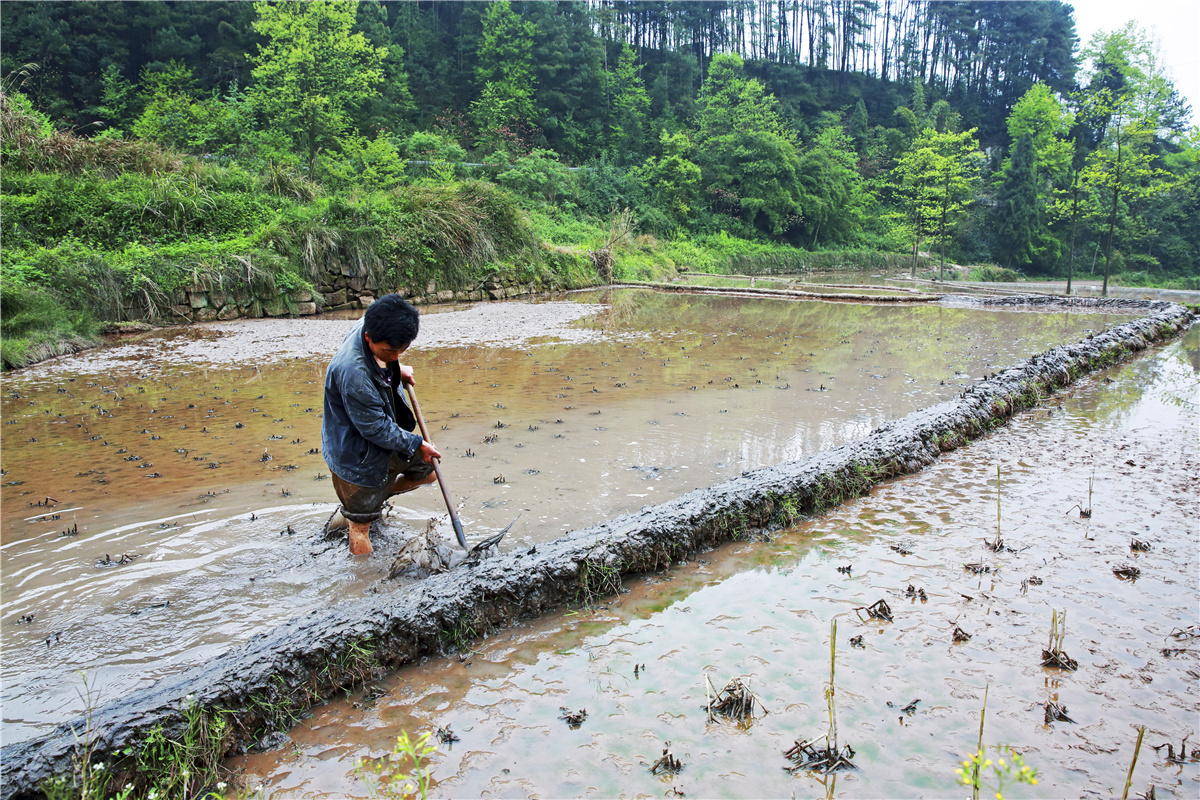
1137,749
735,700
806,755
1053,655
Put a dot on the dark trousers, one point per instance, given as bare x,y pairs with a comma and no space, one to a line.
365,503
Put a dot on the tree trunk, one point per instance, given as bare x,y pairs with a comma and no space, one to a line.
1074,220
945,203
1112,224
1112,214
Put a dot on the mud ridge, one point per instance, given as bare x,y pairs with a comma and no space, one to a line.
267,683
788,294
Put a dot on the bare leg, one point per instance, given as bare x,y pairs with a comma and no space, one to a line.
360,539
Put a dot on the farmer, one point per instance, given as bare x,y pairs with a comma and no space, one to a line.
366,433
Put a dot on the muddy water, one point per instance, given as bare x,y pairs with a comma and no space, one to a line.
190,453
762,611
831,284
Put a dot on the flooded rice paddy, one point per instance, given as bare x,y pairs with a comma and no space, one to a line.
163,496
833,284
909,695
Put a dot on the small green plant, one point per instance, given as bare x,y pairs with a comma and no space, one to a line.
596,579
89,779
186,765
386,780
789,510
358,659
1008,769
463,633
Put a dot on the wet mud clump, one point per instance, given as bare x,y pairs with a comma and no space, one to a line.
265,684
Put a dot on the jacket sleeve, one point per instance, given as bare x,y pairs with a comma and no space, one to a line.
370,416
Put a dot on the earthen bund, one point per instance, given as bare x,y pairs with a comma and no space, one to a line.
263,684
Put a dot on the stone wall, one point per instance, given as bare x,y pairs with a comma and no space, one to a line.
335,292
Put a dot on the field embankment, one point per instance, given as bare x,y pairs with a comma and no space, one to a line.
241,695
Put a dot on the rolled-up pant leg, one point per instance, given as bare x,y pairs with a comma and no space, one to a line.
365,503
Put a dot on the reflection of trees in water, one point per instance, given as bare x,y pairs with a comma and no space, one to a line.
1166,376
1189,349
1179,379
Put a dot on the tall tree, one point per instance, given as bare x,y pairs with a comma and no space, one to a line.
1017,205
505,74
1121,171
674,178
833,197
630,120
747,154
934,179
311,71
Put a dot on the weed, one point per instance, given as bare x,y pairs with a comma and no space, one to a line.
463,633
276,707
789,510
386,780
89,779
358,659
189,764
596,579
1008,768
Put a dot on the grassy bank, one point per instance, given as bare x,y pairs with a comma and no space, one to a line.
103,230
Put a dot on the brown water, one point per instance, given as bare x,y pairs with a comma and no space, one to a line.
189,451
831,284
762,611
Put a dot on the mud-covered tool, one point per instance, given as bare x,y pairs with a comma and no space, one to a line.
416,409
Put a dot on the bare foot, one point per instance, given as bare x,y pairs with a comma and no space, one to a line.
360,539
403,484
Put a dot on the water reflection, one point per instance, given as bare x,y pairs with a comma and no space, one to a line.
196,470
763,611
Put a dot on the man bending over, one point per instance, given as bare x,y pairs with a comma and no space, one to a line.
366,433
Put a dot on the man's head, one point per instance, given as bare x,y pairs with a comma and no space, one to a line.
389,326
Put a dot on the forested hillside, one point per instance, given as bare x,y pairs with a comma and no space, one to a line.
677,133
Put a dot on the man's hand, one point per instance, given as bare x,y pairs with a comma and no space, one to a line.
429,452
406,374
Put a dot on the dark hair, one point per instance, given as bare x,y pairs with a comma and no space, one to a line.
391,319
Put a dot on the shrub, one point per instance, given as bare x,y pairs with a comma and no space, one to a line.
36,326
994,274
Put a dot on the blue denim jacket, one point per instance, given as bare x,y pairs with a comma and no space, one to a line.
366,420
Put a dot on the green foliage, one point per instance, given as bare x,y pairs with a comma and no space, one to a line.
629,124
1008,768
674,179
1039,115
1017,205
505,75
27,142
443,156
387,779
721,166
993,274
366,164
834,198
311,71
539,176
748,157
596,579
36,325
185,762
169,116
933,180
